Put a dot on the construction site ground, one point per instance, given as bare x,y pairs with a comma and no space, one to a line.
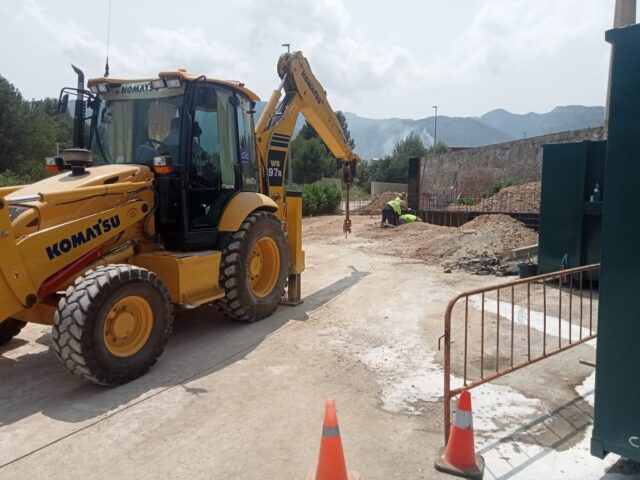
245,401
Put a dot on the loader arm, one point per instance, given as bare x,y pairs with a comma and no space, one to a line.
31,264
303,94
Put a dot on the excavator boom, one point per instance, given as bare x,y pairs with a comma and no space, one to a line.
303,94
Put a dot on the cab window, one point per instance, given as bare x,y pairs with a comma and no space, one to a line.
247,147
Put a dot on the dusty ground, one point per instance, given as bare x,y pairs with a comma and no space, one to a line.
234,401
487,234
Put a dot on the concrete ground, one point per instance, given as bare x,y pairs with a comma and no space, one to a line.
236,401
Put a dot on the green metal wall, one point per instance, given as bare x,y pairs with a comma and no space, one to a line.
617,392
569,223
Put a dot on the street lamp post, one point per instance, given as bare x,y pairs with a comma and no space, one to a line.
288,45
435,128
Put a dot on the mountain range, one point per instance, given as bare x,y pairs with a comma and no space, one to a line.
376,137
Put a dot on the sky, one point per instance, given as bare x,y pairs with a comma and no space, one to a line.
377,59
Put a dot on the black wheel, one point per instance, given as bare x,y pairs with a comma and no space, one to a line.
112,324
9,328
254,268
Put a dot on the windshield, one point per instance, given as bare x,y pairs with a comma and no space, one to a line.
134,130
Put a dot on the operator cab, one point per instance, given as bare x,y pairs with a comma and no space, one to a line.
202,128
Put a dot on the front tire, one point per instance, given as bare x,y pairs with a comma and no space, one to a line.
112,324
254,268
9,328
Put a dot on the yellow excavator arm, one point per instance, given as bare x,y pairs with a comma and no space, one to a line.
303,94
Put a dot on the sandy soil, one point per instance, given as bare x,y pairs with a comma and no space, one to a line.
488,234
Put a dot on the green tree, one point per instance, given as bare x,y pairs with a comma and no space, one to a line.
345,129
307,131
29,131
410,146
439,147
311,159
394,167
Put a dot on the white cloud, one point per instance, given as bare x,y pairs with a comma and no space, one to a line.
162,49
347,65
504,36
467,56
505,32
275,21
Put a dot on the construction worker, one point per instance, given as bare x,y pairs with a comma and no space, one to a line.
408,218
392,210
391,213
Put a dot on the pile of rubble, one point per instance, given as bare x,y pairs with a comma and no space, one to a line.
485,236
523,198
484,264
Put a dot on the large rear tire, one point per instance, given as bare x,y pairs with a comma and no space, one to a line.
9,328
254,268
112,324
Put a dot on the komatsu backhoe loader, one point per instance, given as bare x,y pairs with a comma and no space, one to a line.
171,197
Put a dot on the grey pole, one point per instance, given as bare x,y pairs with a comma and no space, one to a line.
624,14
435,128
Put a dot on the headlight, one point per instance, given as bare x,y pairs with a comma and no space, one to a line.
15,210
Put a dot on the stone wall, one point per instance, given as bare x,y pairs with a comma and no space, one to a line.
475,170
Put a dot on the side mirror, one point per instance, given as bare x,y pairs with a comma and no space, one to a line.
63,104
162,165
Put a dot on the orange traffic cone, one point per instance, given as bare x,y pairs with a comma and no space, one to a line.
331,465
459,456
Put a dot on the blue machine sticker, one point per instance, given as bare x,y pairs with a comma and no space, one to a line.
244,157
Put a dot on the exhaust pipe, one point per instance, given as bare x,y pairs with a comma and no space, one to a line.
80,112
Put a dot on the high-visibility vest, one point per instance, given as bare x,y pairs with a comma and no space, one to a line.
395,204
407,217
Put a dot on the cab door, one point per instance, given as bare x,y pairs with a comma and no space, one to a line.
209,172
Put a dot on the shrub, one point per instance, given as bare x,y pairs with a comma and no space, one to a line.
496,187
9,178
467,201
319,198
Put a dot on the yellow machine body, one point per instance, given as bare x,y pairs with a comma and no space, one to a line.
55,233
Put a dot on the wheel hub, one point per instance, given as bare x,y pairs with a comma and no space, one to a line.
264,266
128,326
123,324
255,265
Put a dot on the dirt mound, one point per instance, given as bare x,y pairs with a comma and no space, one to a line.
375,206
485,235
476,243
523,198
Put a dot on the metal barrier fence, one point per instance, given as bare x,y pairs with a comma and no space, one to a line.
500,202
452,209
519,314
354,203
